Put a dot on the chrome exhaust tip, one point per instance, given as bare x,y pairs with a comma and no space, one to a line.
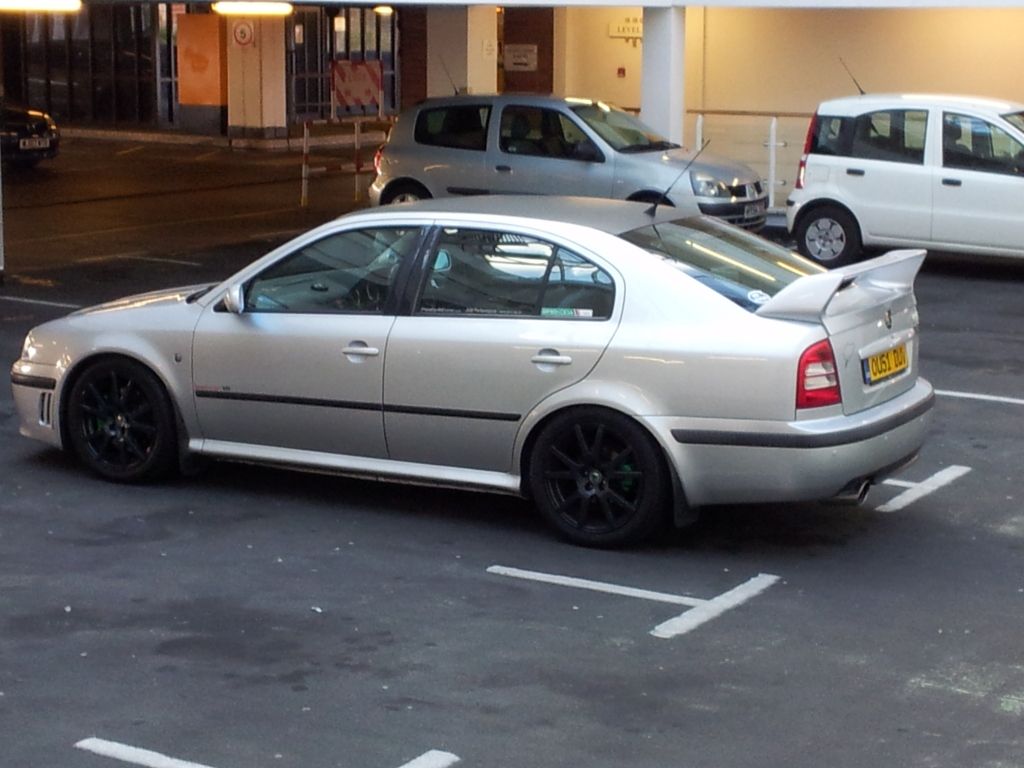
854,494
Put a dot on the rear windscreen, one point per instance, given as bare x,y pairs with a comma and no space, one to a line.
744,268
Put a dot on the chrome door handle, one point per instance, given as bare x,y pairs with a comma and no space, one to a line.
549,359
360,350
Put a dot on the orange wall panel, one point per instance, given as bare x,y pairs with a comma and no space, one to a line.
202,65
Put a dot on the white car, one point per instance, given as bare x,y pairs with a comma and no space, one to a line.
617,363
938,172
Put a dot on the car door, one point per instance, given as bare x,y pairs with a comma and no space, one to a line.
979,188
300,367
504,319
883,176
537,150
448,153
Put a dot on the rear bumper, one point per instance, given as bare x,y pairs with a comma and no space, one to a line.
810,460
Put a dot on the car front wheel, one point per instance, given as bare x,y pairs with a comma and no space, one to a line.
404,192
599,478
120,421
830,236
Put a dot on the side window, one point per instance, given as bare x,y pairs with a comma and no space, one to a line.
486,272
894,135
542,133
832,136
971,143
342,273
460,126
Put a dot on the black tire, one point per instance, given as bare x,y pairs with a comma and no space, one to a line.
404,192
599,478
830,236
120,422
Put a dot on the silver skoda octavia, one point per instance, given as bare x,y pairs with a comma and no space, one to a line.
616,363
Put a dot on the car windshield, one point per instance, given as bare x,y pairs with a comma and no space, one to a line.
620,129
1016,119
742,267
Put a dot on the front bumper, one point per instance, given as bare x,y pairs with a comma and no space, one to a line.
34,387
749,214
810,460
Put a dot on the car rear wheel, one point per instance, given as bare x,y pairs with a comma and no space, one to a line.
404,192
830,236
120,421
599,478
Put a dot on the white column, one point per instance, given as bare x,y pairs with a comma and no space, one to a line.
661,93
462,49
257,103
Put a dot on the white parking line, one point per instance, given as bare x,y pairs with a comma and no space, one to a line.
134,755
61,304
917,491
701,611
435,758
976,396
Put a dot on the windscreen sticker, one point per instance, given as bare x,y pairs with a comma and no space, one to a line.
565,312
758,297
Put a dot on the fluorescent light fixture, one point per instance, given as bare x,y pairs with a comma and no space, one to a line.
383,10
247,8
42,6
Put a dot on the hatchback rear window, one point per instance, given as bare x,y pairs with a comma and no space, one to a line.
732,262
459,126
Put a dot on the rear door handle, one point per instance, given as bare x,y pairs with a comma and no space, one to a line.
952,183
854,171
503,168
359,349
551,358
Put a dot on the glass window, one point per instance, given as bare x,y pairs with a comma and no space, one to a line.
894,135
461,126
543,133
619,128
484,272
1016,119
342,273
744,268
971,143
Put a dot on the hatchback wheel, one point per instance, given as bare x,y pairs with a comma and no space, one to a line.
120,421
599,478
404,192
830,236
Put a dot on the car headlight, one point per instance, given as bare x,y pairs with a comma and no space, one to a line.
29,349
708,186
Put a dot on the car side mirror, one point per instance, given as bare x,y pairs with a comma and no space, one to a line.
587,152
234,299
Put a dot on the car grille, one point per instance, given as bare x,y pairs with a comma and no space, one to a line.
746,190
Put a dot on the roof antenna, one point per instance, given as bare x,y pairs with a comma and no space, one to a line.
851,75
664,196
448,74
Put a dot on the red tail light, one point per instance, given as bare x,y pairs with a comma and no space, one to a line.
377,157
817,380
808,143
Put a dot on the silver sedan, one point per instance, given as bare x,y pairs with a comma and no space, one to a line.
616,363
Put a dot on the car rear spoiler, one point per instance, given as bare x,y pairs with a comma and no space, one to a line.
808,298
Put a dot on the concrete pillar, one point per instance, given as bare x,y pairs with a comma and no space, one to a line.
257,78
661,95
462,49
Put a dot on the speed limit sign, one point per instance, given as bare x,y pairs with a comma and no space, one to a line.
243,33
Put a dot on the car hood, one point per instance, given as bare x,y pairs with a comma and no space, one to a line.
720,167
151,300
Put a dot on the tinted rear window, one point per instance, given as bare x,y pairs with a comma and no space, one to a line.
895,135
744,268
460,126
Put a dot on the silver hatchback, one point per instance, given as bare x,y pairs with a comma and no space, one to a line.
526,144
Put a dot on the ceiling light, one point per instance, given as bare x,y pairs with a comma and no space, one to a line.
384,10
42,6
246,8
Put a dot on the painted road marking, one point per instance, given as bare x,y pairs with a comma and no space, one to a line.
134,755
975,396
40,302
435,758
701,610
136,256
917,491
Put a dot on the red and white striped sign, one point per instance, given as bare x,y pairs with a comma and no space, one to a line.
357,83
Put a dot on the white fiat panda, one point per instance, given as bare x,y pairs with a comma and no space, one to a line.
938,172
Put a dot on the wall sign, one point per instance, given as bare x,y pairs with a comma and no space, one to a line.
242,32
520,57
629,27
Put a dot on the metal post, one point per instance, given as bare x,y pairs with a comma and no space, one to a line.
699,142
304,197
773,138
356,186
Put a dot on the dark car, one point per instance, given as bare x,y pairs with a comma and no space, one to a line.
28,135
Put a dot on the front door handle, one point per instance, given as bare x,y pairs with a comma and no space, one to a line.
550,357
854,171
503,168
359,350
952,183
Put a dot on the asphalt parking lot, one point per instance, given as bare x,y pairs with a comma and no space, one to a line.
254,618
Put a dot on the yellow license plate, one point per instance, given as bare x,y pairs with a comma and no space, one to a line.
885,364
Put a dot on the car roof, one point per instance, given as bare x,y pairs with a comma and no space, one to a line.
855,105
606,215
507,97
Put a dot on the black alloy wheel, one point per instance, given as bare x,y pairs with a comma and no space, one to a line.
120,421
599,478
